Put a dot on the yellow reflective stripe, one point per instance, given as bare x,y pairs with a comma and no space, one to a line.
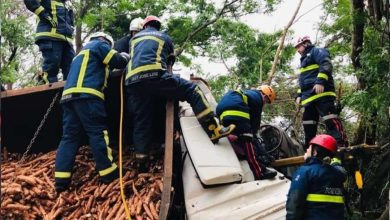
54,13
145,68
107,73
323,75
204,113
44,77
234,113
62,174
244,97
324,198
201,94
107,140
310,67
39,10
148,67
318,96
108,170
83,90
54,35
335,160
109,56
83,68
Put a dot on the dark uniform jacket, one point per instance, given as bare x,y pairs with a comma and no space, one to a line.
90,69
316,192
151,53
316,68
241,106
122,45
59,13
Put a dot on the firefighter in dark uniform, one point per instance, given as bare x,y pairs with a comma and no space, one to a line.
243,108
83,109
316,190
122,45
53,37
317,92
149,76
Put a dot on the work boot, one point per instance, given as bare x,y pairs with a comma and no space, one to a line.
267,173
110,177
61,187
142,163
215,131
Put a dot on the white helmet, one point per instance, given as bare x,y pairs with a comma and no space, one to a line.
104,35
136,24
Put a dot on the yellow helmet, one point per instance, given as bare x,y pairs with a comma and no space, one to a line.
268,91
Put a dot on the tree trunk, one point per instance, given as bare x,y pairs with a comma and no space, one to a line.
358,21
366,132
79,43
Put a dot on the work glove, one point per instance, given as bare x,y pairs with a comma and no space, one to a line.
125,55
48,18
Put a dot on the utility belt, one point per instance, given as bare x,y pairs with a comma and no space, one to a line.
145,75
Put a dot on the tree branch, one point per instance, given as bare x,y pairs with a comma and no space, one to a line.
203,26
281,44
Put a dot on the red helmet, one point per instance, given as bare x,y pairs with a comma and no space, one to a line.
302,40
326,141
149,19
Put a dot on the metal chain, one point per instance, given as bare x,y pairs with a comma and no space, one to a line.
39,128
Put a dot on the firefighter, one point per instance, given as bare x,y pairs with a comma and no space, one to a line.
317,92
243,108
122,45
83,109
149,77
316,190
53,37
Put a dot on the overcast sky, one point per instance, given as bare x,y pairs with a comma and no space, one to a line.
306,25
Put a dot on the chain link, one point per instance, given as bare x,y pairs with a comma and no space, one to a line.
39,128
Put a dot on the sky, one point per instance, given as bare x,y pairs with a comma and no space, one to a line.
306,25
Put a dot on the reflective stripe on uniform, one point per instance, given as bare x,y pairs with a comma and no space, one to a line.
234,113
108,170
310,67
83,90
205,112
58,174
324,198
318,96
54,35
39,10
244,97
309,122
327,117
107,141
44,77
323,76
109,56
147,67
83,68
335,161
79,86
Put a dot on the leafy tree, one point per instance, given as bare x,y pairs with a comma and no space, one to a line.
16,38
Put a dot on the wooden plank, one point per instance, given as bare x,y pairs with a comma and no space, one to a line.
168,162
30,90
292,161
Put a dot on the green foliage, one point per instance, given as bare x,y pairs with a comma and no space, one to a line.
16,37
250,48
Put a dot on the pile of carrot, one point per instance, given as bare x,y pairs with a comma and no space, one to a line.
28,191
